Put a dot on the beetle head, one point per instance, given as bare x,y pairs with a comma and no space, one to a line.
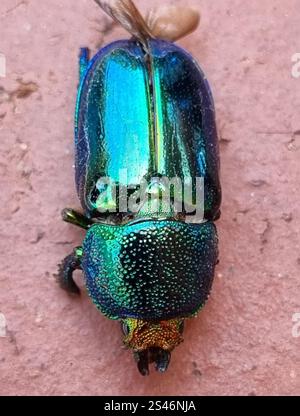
152,341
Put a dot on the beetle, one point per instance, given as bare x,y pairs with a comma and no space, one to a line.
144,106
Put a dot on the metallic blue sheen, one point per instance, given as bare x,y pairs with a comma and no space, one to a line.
113,121
120,124
186,132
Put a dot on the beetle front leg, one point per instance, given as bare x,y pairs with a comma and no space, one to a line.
76,218
66,269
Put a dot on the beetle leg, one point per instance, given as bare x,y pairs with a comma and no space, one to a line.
66,269
84,58
217,216
73,217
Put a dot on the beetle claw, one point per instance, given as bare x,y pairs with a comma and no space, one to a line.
162,360
142,360
160,357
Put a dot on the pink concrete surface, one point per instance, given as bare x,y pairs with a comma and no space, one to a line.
242,343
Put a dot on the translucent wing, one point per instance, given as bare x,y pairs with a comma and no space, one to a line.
128,16
165,22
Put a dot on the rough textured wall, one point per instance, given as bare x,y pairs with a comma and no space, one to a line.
242,343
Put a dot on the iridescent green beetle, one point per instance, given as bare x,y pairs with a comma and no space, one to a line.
145,113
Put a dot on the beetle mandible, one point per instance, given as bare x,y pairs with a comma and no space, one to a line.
145,107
